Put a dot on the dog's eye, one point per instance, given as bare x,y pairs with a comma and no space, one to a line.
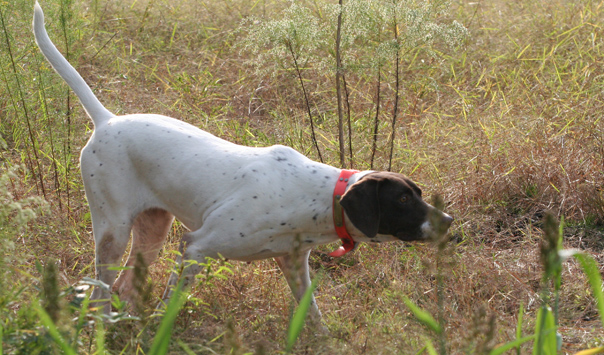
404,199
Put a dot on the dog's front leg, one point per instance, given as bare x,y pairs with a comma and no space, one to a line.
295,270
182,268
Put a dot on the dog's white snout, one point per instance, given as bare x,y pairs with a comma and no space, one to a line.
427,229
442,224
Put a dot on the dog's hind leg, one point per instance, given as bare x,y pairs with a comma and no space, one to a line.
149,233
110,244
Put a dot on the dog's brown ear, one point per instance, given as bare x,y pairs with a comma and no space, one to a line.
361,204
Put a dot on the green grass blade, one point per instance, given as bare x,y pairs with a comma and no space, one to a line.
590,268
513,344
100,338
54,332
422,316
161,341
519,326
297,322
594,351
546,342
430,348
187,350
84,307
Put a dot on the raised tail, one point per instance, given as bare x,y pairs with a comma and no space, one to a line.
97,112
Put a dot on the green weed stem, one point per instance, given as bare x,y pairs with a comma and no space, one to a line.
299,73
32,139
64,17
338,87
377,115
347,97
42,95
397,85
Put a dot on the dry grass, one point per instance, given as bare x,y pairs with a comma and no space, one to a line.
505,128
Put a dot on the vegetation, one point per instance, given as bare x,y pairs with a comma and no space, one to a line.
501,116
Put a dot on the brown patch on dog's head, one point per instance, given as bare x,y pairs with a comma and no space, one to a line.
390,204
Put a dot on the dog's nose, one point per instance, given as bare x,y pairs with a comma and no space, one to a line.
446,220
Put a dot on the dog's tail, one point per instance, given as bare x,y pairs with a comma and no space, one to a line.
97,112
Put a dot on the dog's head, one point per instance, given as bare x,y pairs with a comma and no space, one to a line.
390,204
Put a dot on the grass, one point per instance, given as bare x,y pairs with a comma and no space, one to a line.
505,128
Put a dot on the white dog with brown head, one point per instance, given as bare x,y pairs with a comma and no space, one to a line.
141,171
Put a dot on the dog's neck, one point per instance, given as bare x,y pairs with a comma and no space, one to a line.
348,243
358,176
355,234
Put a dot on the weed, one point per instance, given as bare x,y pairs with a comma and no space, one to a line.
367,35
505,127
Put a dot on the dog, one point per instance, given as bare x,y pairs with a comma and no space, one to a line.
141,171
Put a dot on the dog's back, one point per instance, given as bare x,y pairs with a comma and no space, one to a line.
182,169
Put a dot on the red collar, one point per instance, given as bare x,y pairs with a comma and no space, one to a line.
348,243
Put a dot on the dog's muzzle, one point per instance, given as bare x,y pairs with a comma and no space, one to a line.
437,224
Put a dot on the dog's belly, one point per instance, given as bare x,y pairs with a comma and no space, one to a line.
261,255
262,246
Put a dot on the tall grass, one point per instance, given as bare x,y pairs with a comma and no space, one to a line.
546,339
30,124
59,319
19,99
505,127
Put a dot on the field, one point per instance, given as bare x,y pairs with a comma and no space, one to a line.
504,122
